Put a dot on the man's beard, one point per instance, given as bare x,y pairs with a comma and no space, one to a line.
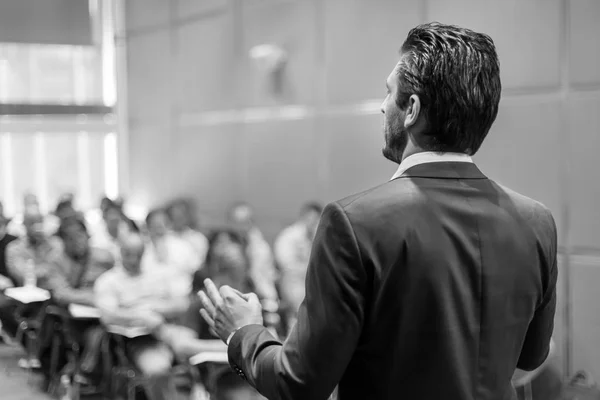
396,139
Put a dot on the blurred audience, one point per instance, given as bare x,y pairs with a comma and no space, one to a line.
33,250
70,275
111,229
8,322
184,227
258,251
165,250
66,209
129,296
227,262
5,240
154,300
31,205
292,252
146,279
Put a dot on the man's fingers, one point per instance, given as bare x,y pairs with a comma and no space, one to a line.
207,318
213,293
227,292
242,295
206,303
253,298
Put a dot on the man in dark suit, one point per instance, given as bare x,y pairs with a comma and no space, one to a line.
435,285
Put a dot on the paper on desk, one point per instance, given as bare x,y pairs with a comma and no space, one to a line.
84,312
129,332
27,295
209,356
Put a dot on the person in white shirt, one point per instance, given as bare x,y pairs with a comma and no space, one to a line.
31,206
182,225
129,296
109,232
292,252
262,265
165,250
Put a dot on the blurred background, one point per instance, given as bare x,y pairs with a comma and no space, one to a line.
277,102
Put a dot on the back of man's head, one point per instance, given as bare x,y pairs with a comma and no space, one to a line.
456,74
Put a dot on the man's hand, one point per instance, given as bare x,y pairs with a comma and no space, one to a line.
227,309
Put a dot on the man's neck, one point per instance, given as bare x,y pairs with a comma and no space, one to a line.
411,149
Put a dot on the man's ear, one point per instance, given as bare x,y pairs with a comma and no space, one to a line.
413,109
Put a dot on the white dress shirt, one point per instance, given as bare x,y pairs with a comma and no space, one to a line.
429,157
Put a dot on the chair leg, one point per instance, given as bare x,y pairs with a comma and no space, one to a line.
76,389
30,348
131,387
54,355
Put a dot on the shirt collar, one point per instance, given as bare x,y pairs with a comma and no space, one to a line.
429,157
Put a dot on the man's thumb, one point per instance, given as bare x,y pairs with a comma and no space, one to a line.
249,297
253,299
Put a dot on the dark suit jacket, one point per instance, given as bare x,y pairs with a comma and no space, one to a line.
435,285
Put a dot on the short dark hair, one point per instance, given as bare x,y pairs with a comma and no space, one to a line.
214,235
111,205
64,205
456,74
67,223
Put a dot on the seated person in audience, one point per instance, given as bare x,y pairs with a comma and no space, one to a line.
226,264
36,247
31,205
292,252
70,277
5,240
262,265
164,250
182,224
8,324
111,230
34,250
65,209
152,299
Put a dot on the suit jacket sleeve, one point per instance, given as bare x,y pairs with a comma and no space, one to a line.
536,347
312,360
